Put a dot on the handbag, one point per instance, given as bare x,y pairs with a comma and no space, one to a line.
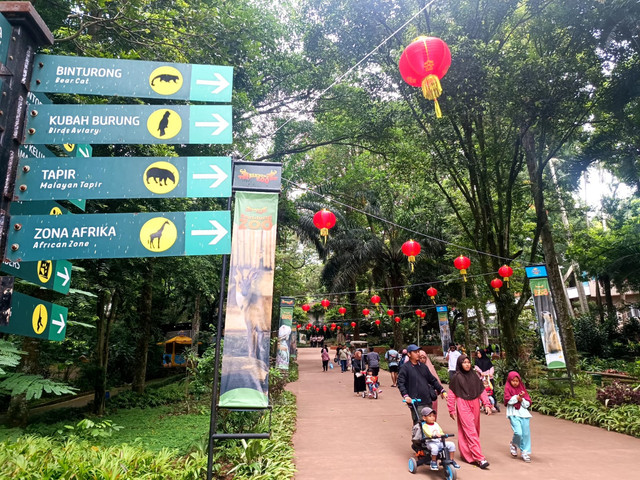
335,359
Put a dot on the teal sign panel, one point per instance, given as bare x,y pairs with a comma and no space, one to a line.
5,38
31,317
54,275
118,235
61,178
129,124
131,78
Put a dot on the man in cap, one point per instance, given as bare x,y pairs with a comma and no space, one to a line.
452,357
415,381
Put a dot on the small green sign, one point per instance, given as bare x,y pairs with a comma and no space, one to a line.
60,178
5,38
31,317
118,235
129,124
131,78
54,275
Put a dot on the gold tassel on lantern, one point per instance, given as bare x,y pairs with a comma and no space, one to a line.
431,89
412,260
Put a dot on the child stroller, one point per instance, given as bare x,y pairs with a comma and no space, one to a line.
423,457
373,386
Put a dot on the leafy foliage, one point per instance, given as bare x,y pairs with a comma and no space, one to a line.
619,393
33,386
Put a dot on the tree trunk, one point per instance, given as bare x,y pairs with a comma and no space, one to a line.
18,411
611,309
144,332
482,328
107,309
599,300
195,325
548,247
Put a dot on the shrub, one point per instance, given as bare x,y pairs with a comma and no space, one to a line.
619,394
591,337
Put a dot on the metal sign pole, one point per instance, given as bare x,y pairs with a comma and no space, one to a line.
216,369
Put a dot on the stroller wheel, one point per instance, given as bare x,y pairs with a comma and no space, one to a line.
450,472
413,466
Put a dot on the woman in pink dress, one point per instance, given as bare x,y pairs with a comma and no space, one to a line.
464,391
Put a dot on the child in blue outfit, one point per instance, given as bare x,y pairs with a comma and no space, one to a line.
518,401
432,433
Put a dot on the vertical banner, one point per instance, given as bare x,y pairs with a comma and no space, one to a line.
245,358
546,315
284,332
443,323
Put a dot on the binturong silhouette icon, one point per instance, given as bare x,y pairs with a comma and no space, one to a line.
164,123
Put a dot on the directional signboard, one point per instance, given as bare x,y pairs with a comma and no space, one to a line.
54,275
118,235
5,38
32,317
127,124
60,178
38,208
131,78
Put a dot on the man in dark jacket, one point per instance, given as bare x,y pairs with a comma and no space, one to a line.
416,381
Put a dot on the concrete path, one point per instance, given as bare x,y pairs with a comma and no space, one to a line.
341,436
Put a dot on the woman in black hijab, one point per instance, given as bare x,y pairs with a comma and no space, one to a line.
484,366
465,390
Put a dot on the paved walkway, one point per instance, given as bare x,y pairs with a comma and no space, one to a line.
341,436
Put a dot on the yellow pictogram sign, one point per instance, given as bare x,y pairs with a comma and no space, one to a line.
165,80
164,123
55,211
45,268
161,177
158,234
69,146
39,319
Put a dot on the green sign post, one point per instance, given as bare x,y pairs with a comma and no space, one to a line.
118,235
36,318
5,38
54,275
129,124
131,78
62,178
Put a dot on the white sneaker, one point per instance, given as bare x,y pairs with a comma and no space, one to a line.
513,449
526,457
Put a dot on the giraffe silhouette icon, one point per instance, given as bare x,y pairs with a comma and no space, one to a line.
157,235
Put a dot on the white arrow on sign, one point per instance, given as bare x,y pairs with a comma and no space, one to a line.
84,152
59,323
64,276
219,176
218,232
221,83
220,122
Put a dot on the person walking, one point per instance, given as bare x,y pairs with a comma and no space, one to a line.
392,356
344,357
415,381
518,401
452,357
324,355
484,365
465,390
359,369
373,360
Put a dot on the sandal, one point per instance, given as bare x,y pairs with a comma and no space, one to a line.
483,464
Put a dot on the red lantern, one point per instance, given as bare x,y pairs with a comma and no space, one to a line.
505,272
423,314
462,263
308,327
365,311
353,324
342,311
338,327
423,63
390,312
411,249
397,319
324,328
298,326
333,325
324,220
377,322
432,292
306,307
325,303
375,300
496,283
418,312
317,329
